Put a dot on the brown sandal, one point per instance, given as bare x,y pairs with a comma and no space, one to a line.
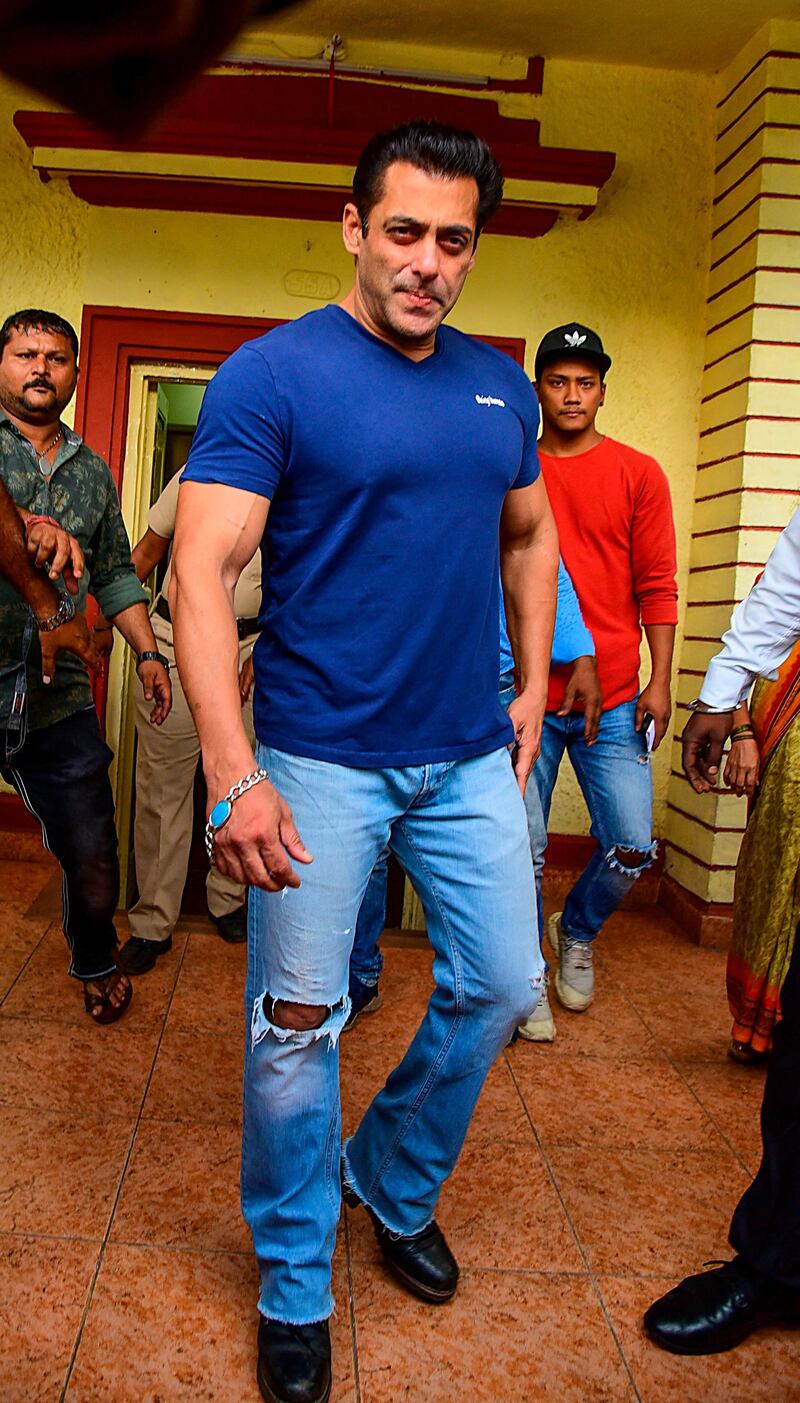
97,997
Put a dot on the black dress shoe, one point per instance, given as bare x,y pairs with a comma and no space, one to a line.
716,1310
137,956
422,1261
294,1362
232,927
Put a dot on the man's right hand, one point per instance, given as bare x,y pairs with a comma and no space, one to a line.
72,637
53,548
256,843
704,735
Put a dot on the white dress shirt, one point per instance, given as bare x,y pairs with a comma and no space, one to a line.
763,630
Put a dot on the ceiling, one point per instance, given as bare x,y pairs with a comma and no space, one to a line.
667,34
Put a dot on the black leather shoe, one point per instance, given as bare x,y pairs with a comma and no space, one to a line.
294,1362
423,1261
232,927
137,956
716,1310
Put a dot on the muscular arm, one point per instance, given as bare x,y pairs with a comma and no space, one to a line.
218,530
529,570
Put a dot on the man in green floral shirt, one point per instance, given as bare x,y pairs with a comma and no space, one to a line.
51,749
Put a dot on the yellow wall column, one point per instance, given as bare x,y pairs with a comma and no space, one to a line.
748,473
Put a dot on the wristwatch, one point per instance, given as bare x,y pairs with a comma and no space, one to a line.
63,614
151,657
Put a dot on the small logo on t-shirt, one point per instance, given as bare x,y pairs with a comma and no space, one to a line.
490,399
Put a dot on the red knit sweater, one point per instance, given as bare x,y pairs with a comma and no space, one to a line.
614,516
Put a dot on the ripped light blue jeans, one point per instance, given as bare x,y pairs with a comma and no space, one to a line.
459,830
614,775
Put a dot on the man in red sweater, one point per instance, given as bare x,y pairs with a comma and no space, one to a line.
614,516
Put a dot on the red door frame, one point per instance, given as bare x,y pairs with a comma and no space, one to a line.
113,338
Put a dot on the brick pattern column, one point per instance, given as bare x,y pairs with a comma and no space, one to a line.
748,471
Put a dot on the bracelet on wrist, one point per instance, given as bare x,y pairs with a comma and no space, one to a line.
223,809
34,521
744,733
63,614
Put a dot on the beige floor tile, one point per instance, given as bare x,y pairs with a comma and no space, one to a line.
182,1189
649,1212
43,1290
175,1327
59,1170
584,1101
110,1071
505,1336
732,1095
209,994
197,1078
21,882
694,1027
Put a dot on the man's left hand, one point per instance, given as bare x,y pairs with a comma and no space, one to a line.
526,713
55,549
655,701
156,688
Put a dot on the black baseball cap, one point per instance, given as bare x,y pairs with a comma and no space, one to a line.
572,339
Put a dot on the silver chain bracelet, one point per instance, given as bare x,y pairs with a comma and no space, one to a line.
223,809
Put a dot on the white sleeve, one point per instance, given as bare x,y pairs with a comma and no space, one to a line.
764,627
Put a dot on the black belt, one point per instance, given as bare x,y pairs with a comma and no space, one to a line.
244,627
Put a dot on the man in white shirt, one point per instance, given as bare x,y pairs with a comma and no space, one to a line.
714,1311
166,764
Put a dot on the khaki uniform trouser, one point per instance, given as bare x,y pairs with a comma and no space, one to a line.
165,769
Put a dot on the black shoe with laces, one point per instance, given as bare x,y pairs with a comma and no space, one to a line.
715,1310
294,1362
421,1261
137,956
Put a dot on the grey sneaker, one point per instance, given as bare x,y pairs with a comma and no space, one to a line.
575,975
539,1026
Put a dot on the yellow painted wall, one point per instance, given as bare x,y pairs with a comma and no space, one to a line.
748,445
636,269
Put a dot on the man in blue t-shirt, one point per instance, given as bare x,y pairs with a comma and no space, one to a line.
389,464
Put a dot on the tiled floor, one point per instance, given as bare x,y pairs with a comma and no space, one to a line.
596,1172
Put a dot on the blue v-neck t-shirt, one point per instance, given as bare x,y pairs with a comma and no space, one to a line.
386,478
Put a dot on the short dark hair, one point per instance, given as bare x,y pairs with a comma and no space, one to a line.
35,319
435,149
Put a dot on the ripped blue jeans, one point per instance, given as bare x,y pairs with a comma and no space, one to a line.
614,776
459,830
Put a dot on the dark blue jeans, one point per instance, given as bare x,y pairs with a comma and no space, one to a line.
61,773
